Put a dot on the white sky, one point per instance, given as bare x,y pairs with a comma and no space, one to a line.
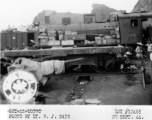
22,12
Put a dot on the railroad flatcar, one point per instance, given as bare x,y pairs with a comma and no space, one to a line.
98,43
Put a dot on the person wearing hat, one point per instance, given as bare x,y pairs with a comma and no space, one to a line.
139,51
149,47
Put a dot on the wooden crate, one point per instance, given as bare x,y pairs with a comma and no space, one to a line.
75,37
54,43
43,41
67,42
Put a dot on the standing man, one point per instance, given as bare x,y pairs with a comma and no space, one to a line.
151,58
149,48
139,51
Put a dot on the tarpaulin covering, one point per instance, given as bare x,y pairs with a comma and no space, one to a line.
39,69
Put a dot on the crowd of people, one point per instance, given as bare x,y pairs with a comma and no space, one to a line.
140,50
123,61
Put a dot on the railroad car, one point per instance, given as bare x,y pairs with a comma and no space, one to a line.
98,43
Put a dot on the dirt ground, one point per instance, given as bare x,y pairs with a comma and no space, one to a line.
109,89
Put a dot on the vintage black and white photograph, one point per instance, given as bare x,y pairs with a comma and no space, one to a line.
76,52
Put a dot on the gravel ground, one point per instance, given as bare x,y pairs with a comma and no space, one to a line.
110,89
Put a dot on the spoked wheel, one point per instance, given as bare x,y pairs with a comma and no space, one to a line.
19,87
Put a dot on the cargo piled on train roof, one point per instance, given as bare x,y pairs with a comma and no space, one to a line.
123,28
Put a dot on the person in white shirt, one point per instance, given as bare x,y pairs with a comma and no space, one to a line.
149,47
139,51
151,58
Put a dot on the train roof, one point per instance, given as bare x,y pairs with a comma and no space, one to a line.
136,15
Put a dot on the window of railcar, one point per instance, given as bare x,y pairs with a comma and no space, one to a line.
134,22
